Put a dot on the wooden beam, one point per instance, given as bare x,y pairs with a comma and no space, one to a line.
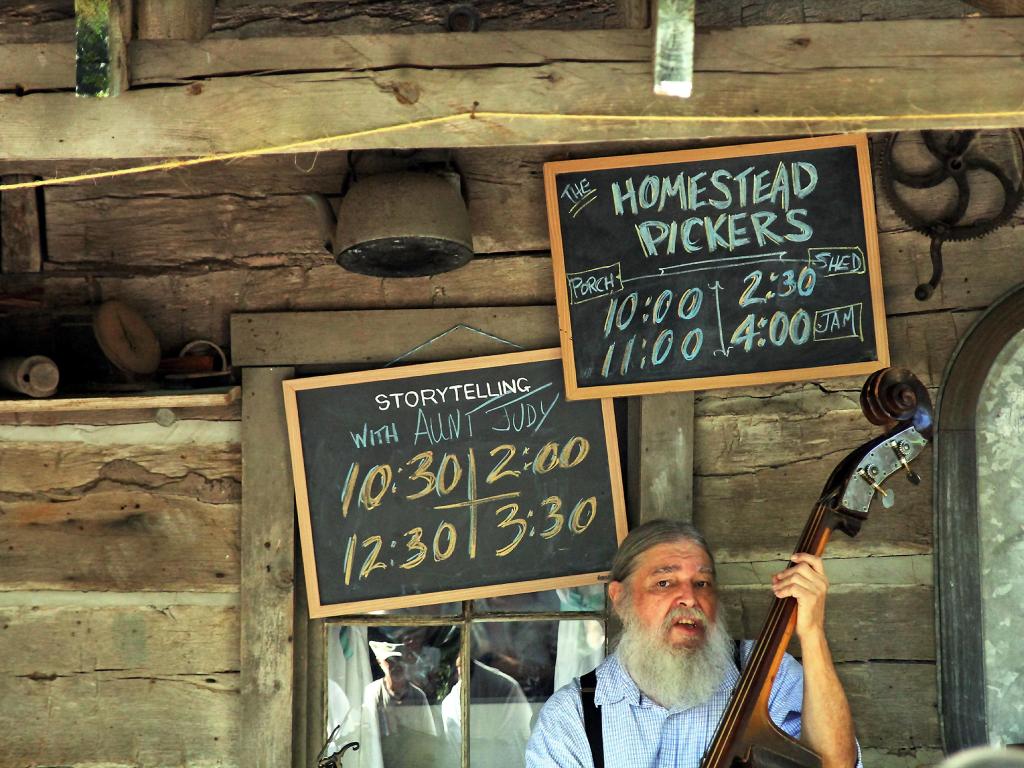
635,14
376,337
20,237
999,7
268,572
173,19
661,457
102,31
811,78
85,509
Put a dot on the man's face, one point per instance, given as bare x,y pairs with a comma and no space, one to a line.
394,673
672,594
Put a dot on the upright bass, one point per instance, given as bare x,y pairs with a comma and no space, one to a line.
897,401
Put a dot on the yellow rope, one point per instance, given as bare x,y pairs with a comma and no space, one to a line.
462,116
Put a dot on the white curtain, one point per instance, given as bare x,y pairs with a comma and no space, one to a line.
580,643
348,675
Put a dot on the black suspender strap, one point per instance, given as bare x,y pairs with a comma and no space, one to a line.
592,717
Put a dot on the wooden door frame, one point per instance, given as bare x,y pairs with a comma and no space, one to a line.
282,650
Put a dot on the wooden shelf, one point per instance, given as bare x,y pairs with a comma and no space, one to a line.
164,398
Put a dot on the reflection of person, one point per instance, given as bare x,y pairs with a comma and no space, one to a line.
405,722
523,650
499,718
663,691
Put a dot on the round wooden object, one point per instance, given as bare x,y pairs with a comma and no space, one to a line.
35,376
125,338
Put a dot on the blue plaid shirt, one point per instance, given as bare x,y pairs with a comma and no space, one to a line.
638,733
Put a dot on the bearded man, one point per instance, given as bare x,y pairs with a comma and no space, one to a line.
662,693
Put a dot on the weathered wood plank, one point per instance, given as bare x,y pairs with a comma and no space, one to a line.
151,232
162,416
894,705
20,234
635,14
182,307
801,429
60,471
268,572
889,571
54,19
923,343
27,67
805,69
117,719
161,399
224,232
122,541
45,20
191,220
374,336
661,457
173,19
897,757
249,18
862,623
759,515
127,519
172,62
142,640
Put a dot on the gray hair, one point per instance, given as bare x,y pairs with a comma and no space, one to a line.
651,534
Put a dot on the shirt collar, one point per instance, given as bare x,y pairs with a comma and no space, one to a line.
614,684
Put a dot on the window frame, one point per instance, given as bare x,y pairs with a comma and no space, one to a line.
464,620
963,718
283,686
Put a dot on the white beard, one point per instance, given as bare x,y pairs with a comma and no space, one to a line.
674,677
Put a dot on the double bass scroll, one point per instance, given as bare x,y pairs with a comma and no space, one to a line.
897,401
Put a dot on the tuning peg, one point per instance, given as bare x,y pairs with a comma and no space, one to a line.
889,499
900,450
888,495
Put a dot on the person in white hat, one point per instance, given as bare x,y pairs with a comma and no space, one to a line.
407,728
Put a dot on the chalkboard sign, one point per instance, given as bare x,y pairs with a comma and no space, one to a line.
719,267
451,481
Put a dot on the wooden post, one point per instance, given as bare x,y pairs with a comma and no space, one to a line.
173,19
268,573
102,31
20,236
660,479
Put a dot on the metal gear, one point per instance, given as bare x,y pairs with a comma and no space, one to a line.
956,158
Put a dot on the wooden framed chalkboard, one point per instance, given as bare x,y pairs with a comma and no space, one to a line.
451,481
719,267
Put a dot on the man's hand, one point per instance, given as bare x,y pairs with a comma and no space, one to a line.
827,724
805,581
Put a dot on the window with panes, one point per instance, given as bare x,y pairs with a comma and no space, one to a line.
457,684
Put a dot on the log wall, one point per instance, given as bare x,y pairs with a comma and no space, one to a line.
135,507
119,537
119,589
